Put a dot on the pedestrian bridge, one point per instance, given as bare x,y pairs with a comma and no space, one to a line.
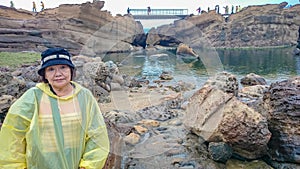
159,13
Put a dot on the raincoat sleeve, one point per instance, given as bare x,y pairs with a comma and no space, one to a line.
13,131
97,141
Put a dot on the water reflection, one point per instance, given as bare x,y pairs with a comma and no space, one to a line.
272,64
260,61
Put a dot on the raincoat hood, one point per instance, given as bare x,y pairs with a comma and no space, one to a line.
46,89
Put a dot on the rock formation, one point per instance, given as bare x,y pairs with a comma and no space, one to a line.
217,116
83,28
254,26
284,117
88,30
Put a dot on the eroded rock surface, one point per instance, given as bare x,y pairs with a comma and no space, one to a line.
284,119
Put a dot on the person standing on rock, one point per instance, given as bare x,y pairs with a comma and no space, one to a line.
12,4
33,7
56,124
128,10
148,10
42,5
199,10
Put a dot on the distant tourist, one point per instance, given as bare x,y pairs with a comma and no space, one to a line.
42,5
148,10
232,9
12,4
199,10
226,9
33,7
128,10
217,8
236,9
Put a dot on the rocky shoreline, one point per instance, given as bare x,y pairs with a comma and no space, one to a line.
179,126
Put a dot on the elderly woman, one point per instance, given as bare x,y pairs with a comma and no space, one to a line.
56,124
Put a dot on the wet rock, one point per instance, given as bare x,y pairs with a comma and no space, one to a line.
161,113
220,152
166,76
184,49
296,51
234,164
181,86
253,79
219,117
284,112
225,82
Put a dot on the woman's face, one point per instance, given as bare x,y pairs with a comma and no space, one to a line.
58,76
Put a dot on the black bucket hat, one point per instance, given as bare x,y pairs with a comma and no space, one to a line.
55,56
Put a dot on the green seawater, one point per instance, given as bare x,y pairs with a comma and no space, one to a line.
273,64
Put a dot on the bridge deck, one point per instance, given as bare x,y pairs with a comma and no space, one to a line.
144,17
159,11
162,13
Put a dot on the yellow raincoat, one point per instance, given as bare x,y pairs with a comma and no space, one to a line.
44,131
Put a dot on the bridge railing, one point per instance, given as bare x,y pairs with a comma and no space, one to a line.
159,12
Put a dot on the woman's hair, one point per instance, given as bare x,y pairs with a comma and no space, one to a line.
43,78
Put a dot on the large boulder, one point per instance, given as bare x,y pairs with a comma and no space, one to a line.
253,79
284,117
217,116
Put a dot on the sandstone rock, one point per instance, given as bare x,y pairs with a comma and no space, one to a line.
219,117
184,49
132,138
120,117
256,91
253,79
140,129
224,81
284,113
254,26
80,28
148,122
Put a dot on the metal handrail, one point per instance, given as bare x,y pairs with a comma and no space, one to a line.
159,12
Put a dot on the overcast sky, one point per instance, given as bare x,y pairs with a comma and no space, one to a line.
120,6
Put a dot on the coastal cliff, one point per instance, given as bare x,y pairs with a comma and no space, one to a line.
87,29
72,26
254,26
